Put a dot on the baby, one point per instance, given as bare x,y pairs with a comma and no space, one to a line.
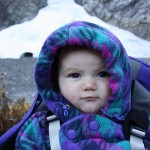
83,77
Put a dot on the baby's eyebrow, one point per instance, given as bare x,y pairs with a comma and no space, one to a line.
101,65
71,69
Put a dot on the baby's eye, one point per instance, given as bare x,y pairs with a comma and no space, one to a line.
74,75
103,74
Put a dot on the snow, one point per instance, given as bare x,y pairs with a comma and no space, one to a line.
30,36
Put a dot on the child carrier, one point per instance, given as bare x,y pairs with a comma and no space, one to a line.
140,102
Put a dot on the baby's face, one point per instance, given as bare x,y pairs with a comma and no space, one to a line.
84,81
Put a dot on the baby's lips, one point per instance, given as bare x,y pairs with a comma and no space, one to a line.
89,98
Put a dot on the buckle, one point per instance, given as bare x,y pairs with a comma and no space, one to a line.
51,118
137,131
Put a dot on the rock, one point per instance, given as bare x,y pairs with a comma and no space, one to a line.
18,11
26,54
17,77
78,2
131,15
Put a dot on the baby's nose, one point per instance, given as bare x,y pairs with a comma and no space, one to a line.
89,84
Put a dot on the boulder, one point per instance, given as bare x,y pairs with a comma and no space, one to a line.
18,11
132,15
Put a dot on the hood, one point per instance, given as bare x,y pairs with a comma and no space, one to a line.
117,64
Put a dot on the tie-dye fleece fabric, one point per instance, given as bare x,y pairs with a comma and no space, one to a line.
88,131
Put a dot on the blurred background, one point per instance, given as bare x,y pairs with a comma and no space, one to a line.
24,26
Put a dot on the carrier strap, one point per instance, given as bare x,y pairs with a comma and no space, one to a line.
136,139
54,126
134,128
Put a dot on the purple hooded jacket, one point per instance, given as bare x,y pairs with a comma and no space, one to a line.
90,131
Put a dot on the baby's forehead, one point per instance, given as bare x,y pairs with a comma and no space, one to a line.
63,53
82,59
72,50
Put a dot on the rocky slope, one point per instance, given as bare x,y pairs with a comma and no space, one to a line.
132,15
17,77
18,11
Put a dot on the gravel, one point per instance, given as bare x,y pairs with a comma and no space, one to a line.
17,77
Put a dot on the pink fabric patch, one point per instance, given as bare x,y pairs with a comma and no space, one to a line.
85,120
114,86
106,52
24,135
74,41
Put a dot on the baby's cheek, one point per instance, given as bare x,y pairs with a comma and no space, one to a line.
72,94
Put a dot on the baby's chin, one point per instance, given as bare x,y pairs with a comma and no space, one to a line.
91,112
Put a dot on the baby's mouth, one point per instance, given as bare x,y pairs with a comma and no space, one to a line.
90,98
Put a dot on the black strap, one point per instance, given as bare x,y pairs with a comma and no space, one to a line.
137,119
